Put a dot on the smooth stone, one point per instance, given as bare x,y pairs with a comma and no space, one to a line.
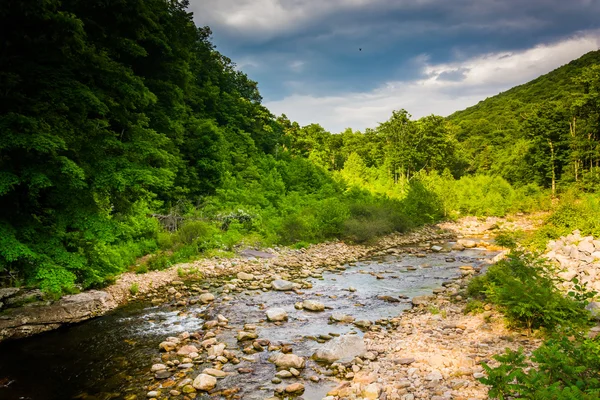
207,297
277,315
287,361
313,305
282,285
205,382
341,349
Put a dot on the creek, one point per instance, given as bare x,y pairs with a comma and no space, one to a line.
110,357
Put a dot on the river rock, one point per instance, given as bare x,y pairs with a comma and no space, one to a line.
437,248
295,388
158,367
245,276
216,350
217,373
277,314
205,382
282,285
313,305
167,346
284,374
243,335
186,350
164,374
27,321
467,244
372,391
341,349
338,317
287,361
207,297
363,323
420,300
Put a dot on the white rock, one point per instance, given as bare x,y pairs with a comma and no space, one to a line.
282,285
313,305
245,276
277,314
205,382
207,297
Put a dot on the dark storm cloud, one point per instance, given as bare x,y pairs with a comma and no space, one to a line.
311,47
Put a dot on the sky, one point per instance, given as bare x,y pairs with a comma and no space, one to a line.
350,63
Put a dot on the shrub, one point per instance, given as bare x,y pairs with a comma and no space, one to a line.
159,262
134,289
560,369
525,289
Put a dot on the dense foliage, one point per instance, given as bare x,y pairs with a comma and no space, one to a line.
561,369
524,288
125,132
545,132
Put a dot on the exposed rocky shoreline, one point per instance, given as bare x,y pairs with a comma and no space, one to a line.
37,315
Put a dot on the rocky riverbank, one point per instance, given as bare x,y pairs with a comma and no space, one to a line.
435,353
578,257
25,313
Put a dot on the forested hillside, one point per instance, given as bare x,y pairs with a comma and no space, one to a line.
125,132
544,127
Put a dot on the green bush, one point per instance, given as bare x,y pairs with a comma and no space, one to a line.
574,211
159,262
560,369
525,290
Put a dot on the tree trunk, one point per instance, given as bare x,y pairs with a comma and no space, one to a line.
553,168
572,126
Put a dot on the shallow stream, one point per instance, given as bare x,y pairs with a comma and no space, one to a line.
110,357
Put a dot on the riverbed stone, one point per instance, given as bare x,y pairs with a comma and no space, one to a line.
277,314
282,285
339,317
216,350
207,298
205,382
243,335
244,276
341,349
167,346
284,374
313,305
217,373
287,361
295,388
186,350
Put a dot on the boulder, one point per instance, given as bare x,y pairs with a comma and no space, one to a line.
205,382
287,361
245,276
282,285
295,388
341,349
313,305
27,321
277,314
207,297
468,244
186,350
338,317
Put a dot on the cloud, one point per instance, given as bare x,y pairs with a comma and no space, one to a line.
442,89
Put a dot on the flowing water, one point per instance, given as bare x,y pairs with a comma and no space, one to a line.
110,357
